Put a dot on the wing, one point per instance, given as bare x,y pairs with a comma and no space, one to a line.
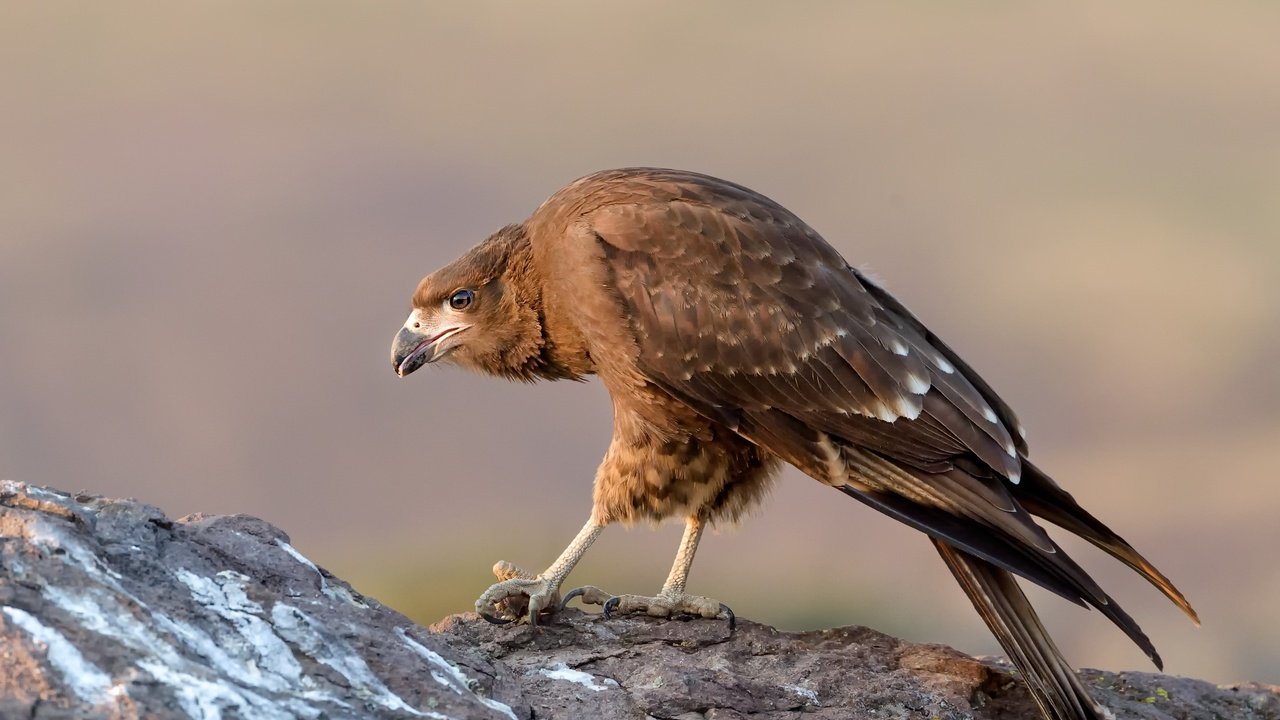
747,315
741,308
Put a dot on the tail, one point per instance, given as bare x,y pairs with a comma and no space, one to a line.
1003,606
1041,496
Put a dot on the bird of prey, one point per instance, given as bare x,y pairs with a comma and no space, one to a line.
732,338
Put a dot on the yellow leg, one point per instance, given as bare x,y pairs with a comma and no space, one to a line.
503,601
672,599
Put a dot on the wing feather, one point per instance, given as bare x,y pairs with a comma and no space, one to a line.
744,313
737,287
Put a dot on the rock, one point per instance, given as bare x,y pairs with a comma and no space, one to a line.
110,610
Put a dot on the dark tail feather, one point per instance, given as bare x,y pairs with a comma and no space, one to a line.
998,599
1041,496
1055,571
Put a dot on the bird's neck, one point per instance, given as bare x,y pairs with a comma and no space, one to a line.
565,357
559,351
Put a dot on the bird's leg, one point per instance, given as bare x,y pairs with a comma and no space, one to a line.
672,599
505,599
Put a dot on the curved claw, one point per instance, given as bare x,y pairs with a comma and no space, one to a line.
533,616
576,592
733,619
610,605
494,620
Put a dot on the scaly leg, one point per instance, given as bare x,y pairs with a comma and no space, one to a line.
502,602
672,599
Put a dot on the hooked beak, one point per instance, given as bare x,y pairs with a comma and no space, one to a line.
411,350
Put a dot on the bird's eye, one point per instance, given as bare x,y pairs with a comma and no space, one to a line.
462,299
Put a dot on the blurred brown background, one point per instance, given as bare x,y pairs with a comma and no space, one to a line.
212,217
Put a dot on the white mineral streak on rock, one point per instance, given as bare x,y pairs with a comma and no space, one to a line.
335,592
207,699
809,695
102,613
250,657
293,552
560,671
298,628
13,487
42,533
448,674
85,679
272,665
235,659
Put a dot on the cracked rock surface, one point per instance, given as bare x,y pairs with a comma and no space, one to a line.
641,668
110,610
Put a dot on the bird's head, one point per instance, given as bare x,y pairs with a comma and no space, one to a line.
481,312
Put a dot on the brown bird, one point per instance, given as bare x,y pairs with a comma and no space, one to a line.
732,338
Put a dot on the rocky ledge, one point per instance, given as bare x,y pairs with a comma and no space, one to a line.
110,610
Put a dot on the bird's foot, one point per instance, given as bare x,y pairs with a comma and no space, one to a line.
665,604
516,594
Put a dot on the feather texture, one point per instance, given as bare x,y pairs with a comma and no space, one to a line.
740,308
731,335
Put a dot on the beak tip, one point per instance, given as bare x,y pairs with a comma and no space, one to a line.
403,367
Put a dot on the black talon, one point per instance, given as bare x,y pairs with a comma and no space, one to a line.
494,620
733,619
576,592
610,605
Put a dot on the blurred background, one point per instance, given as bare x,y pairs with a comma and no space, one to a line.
212,216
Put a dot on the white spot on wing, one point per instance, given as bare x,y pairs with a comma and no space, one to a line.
911,410
917,385
885,413
989,414
943,365
898,347
837,472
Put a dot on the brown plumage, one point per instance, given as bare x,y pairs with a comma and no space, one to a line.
732,337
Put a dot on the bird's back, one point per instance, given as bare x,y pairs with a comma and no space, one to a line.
708,308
